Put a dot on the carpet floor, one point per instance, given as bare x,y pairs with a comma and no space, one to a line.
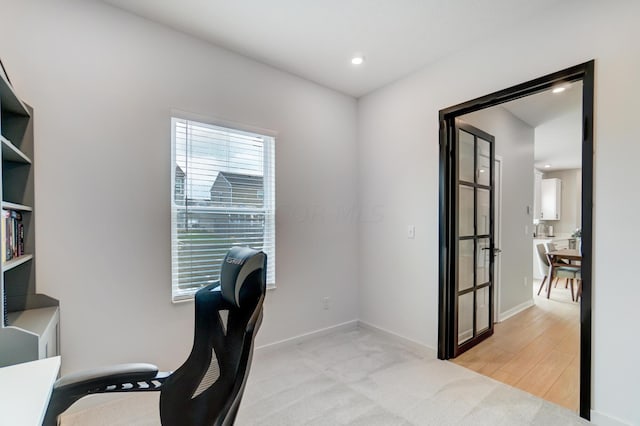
354,377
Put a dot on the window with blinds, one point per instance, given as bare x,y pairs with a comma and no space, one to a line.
222,195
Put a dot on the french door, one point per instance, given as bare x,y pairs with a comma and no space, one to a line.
471,236
449,341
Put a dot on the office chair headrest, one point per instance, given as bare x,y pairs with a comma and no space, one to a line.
237,265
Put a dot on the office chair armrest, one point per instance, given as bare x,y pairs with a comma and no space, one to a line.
116,378
114,375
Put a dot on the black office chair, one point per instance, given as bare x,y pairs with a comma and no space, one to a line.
208,387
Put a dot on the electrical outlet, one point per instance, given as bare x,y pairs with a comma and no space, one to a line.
325,303
411,232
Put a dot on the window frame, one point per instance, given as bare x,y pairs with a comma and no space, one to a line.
269,189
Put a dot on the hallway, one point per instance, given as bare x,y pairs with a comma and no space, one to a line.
537,350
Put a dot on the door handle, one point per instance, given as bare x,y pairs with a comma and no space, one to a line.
496,250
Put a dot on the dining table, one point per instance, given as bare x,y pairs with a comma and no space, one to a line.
569,255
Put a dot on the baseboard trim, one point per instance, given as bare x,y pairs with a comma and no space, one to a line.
345,326
420,347
601,419
515,310
349,325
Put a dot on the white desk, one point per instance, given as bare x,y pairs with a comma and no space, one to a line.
25,390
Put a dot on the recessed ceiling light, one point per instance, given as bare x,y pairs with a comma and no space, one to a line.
559,89
357,60
547,166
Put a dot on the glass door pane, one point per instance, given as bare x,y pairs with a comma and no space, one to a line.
483,211
466,278
465,217
483,261
483,163
465,318
482,310
466,165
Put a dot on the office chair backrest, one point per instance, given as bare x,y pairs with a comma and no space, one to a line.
207,388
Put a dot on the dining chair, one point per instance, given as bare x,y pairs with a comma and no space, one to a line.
542,255
549,247
560,270
552,247
556,269
579,290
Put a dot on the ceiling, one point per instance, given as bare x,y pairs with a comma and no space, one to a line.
546,106
316,39
557,118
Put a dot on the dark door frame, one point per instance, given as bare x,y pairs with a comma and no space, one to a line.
584,72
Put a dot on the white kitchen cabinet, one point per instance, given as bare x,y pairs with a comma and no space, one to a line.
551,194
537,194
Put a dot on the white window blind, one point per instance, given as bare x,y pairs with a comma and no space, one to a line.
222,195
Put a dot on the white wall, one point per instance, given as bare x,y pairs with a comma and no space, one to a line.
564,134
102,83
514,142
398,137
571,201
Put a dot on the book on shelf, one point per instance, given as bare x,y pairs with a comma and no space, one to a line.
12,235
20,239
5,218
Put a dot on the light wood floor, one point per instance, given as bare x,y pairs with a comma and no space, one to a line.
537,350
